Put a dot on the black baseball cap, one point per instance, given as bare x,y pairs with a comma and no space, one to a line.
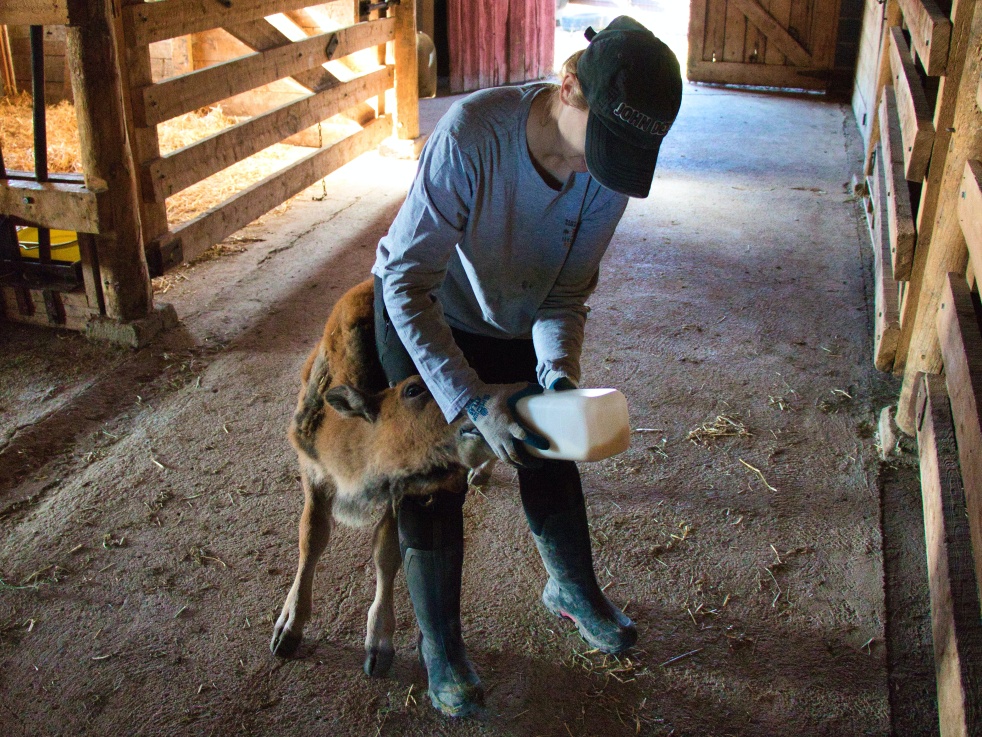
632,83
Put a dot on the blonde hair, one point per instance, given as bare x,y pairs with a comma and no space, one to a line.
576,99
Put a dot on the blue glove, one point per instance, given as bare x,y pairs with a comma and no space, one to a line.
492,411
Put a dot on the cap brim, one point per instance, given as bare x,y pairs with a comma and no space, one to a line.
617,164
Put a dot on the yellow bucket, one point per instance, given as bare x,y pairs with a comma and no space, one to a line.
64,244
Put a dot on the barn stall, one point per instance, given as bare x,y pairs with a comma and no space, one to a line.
750,528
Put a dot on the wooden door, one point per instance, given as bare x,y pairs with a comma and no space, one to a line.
773,43
494,42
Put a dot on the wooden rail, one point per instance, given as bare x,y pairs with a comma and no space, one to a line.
930,33
119,210
916,125
954,593
900,219
156,103
274,57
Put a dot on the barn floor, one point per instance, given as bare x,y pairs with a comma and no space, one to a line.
150,502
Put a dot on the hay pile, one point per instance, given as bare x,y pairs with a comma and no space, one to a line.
17,141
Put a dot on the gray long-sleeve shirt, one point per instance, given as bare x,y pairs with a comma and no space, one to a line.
483,244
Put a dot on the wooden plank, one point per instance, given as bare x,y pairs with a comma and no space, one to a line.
886,305
961,348
39,12
824,32
766,75
157,103
930,33
136,72
775,32
407,72
52,205
697,33
75,306
735,38
970,208
170,174
901,217
201,233
916,123
952,582
940,245
261,35
156,21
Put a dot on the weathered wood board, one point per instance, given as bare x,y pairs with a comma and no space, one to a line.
961,349
955,625
900,220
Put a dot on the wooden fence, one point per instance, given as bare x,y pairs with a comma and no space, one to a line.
119,207
917,101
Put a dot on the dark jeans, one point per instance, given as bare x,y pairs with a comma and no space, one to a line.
551,488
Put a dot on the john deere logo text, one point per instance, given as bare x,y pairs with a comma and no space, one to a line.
642,122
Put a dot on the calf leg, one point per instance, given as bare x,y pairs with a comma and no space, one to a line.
315,531
379,650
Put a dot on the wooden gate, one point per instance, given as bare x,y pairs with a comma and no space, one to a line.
500,42
772,43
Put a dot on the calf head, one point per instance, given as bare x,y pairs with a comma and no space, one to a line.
378,447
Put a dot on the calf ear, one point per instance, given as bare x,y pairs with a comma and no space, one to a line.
350,402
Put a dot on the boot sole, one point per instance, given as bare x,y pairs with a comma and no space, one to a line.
588,639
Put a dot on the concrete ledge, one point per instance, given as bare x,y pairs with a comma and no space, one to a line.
135,333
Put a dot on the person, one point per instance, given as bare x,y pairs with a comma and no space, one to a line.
481,286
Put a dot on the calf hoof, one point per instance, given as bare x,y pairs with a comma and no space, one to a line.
378,660
284,643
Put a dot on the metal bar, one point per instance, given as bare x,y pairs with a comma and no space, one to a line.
40,126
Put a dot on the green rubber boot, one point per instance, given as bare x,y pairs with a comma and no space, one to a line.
433,579
572,590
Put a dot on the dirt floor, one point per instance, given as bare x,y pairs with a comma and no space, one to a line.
150,501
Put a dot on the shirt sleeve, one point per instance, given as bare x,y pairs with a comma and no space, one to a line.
557,331
416,252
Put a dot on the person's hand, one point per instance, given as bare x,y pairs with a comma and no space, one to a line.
492,410
562,384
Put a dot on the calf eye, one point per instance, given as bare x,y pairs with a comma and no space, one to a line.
413,390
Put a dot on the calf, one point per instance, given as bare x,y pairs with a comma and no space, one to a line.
362,446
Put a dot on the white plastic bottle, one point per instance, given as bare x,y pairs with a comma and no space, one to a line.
580,424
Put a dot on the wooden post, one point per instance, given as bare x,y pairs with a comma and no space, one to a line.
107,161
940,244
407,72
145,145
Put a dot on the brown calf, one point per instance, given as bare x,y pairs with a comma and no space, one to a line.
362,446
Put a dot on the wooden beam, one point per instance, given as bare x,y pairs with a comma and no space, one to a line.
201,233
940,245
407,72
52,205
106,158
766,75
887,320
955,626
916,124
901,216
970,209
775,32
961,347
261,35
136,72
182,94
156,21
41,12
172,173
930,33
